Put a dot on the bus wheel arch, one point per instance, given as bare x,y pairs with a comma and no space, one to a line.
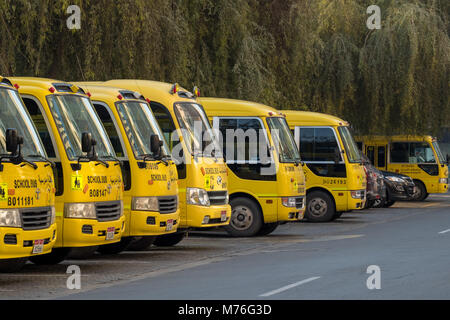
252,212
324,205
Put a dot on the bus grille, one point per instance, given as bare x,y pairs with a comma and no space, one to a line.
217,198
108,211
167,204
36,218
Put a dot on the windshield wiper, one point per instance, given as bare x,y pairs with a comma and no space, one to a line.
51,163
17,160
113,158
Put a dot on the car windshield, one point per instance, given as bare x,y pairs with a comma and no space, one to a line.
195,126
283,140
139,124
13,115
350,145
439,153
73,115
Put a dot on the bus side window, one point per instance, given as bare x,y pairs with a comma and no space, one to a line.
165,122
110,128
381,157
399,152
370,153
318,144
41,126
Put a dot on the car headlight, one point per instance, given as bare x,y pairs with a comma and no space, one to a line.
197,196
395,179
10,218
53,216
145,203
288,202
80,210
443,180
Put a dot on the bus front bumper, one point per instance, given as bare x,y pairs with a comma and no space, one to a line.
205,217
296,213
151,223
24,241
90,232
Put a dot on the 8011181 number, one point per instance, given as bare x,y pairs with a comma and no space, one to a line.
20,201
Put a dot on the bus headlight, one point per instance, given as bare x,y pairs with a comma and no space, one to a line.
10,218
53,216
357,194
288,202
197,196
80,210
145,203
443,180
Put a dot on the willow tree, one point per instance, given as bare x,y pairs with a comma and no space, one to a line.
405,72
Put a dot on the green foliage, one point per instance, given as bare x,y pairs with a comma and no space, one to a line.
291,54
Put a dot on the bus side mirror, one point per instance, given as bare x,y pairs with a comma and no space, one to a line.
86,142
13,140
155,145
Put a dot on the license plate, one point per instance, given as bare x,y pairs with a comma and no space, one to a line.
38,246
110,233
223,216
169,225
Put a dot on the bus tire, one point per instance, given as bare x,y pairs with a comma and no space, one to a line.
12,265
246,218
337,215
267,228
56,256
421,193
319,207
115,248
141,243
169,240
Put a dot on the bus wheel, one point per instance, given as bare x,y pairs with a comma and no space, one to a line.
169,240
56,256
421,191
319,207
12,265
267,228
115,248
141,243
246,218
337,215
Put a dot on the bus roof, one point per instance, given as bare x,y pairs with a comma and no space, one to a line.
298,118
99,91
396,138
232,107
45,84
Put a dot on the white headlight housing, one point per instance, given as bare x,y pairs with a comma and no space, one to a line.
80,210
145,204
288,202
10,218
197,197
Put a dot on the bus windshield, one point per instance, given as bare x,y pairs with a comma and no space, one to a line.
283,140
439,153
139,124
350,146
73,115
13,115
195,126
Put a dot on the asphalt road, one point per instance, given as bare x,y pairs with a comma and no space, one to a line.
409,243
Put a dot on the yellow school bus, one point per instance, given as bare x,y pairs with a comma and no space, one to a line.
89,187
150,175
27,189
202,177
335,177
266,180
416,156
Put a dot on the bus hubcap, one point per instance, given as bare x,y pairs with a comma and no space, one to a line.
317,207
241,217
